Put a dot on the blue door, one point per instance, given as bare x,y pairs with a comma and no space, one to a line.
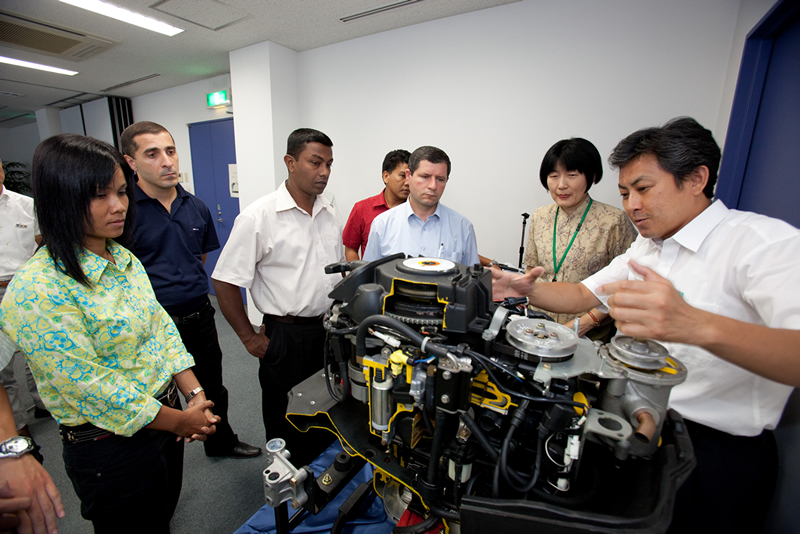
213,149
761,159
761,172
771,182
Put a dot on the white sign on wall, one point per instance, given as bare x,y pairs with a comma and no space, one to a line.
233,180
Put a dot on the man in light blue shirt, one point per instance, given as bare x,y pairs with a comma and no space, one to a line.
423,226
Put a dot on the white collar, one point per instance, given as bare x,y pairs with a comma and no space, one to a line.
285,201
697,230
409,211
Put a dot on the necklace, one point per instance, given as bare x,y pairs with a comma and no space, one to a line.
556,264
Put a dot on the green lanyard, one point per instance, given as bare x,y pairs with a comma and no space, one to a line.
555,225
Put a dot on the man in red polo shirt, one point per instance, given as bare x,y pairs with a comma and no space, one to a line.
356,231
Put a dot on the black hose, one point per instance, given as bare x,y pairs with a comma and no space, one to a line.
430,381
480,436
496,480
338,525
508,475
485,362
436,448
516,421
471,483
326,358
415,337
419,528
444,512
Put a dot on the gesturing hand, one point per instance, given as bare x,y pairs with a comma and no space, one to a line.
650,308
507,284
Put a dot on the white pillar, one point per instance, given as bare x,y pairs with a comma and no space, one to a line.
264,90
49,122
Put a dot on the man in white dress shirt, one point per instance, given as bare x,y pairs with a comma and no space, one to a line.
278,249
19,236
719,287
28,498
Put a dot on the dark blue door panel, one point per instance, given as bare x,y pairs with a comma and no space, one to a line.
772,177
213,149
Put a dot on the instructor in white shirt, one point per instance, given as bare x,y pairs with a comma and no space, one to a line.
720,288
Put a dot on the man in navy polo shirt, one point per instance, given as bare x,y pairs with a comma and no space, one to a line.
173,233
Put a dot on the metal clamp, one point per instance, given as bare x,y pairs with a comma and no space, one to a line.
283,482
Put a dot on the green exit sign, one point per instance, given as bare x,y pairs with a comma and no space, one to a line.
218,99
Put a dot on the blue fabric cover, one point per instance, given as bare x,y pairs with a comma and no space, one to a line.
371,520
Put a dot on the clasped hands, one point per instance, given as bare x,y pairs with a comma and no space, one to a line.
198,420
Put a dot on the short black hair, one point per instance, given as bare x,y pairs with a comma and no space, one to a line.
575,154
127,139
680,146
67,172
299,138
428,153
395,158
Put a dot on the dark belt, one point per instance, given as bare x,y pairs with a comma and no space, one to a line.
89,432
293,319
4,283
181,320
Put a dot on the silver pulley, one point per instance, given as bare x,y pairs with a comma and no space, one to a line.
639,352
545,339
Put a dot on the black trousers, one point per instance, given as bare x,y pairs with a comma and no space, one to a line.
732,486
127,485
295,352
199,333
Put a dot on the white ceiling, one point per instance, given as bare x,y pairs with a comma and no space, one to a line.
198,53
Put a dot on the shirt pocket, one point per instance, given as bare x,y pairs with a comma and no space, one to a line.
451,255
332,246
196,235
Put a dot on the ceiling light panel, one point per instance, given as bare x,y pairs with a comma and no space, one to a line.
37,66
124,15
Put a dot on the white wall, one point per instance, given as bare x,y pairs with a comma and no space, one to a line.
72,120
97,119
49,122
178,107
251,80
264,76
18,144
493,88
285,101
496,88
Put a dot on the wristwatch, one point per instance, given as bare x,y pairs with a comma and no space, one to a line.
16,447
192,394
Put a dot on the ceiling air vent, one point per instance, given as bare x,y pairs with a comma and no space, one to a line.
46,38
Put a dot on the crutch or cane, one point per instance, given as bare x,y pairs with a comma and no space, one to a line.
522,241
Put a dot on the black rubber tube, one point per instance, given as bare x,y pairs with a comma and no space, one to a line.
415,337
338,525
436,448
442,512
480,436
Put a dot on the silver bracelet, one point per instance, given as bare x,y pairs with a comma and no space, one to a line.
192,394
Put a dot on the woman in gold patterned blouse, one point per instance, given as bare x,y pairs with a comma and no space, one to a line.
577,236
